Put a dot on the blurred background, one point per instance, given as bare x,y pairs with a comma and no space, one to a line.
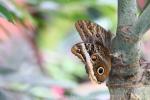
35,41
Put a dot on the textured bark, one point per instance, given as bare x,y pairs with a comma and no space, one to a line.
129,79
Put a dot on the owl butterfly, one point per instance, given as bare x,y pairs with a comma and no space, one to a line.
94,51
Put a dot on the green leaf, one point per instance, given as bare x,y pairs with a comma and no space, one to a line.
4,12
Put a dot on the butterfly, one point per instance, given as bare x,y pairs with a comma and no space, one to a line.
94,50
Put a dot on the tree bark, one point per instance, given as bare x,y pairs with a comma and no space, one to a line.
128,79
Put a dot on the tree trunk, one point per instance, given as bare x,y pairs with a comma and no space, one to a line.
129,78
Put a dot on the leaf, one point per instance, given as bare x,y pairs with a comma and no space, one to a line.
4,12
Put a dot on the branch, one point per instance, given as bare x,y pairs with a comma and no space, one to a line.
125,81
127,11
124,43
127,16
143,23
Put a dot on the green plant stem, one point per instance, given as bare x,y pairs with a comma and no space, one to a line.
143,23
124,79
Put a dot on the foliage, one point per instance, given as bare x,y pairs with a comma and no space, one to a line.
6,13
50,24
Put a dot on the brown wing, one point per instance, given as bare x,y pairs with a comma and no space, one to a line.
95,51
90,32
77,50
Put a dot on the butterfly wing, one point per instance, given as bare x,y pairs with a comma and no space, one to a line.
78,51
85,52
94,50
92,32
81,51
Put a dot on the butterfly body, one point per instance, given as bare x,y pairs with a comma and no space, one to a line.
94,51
